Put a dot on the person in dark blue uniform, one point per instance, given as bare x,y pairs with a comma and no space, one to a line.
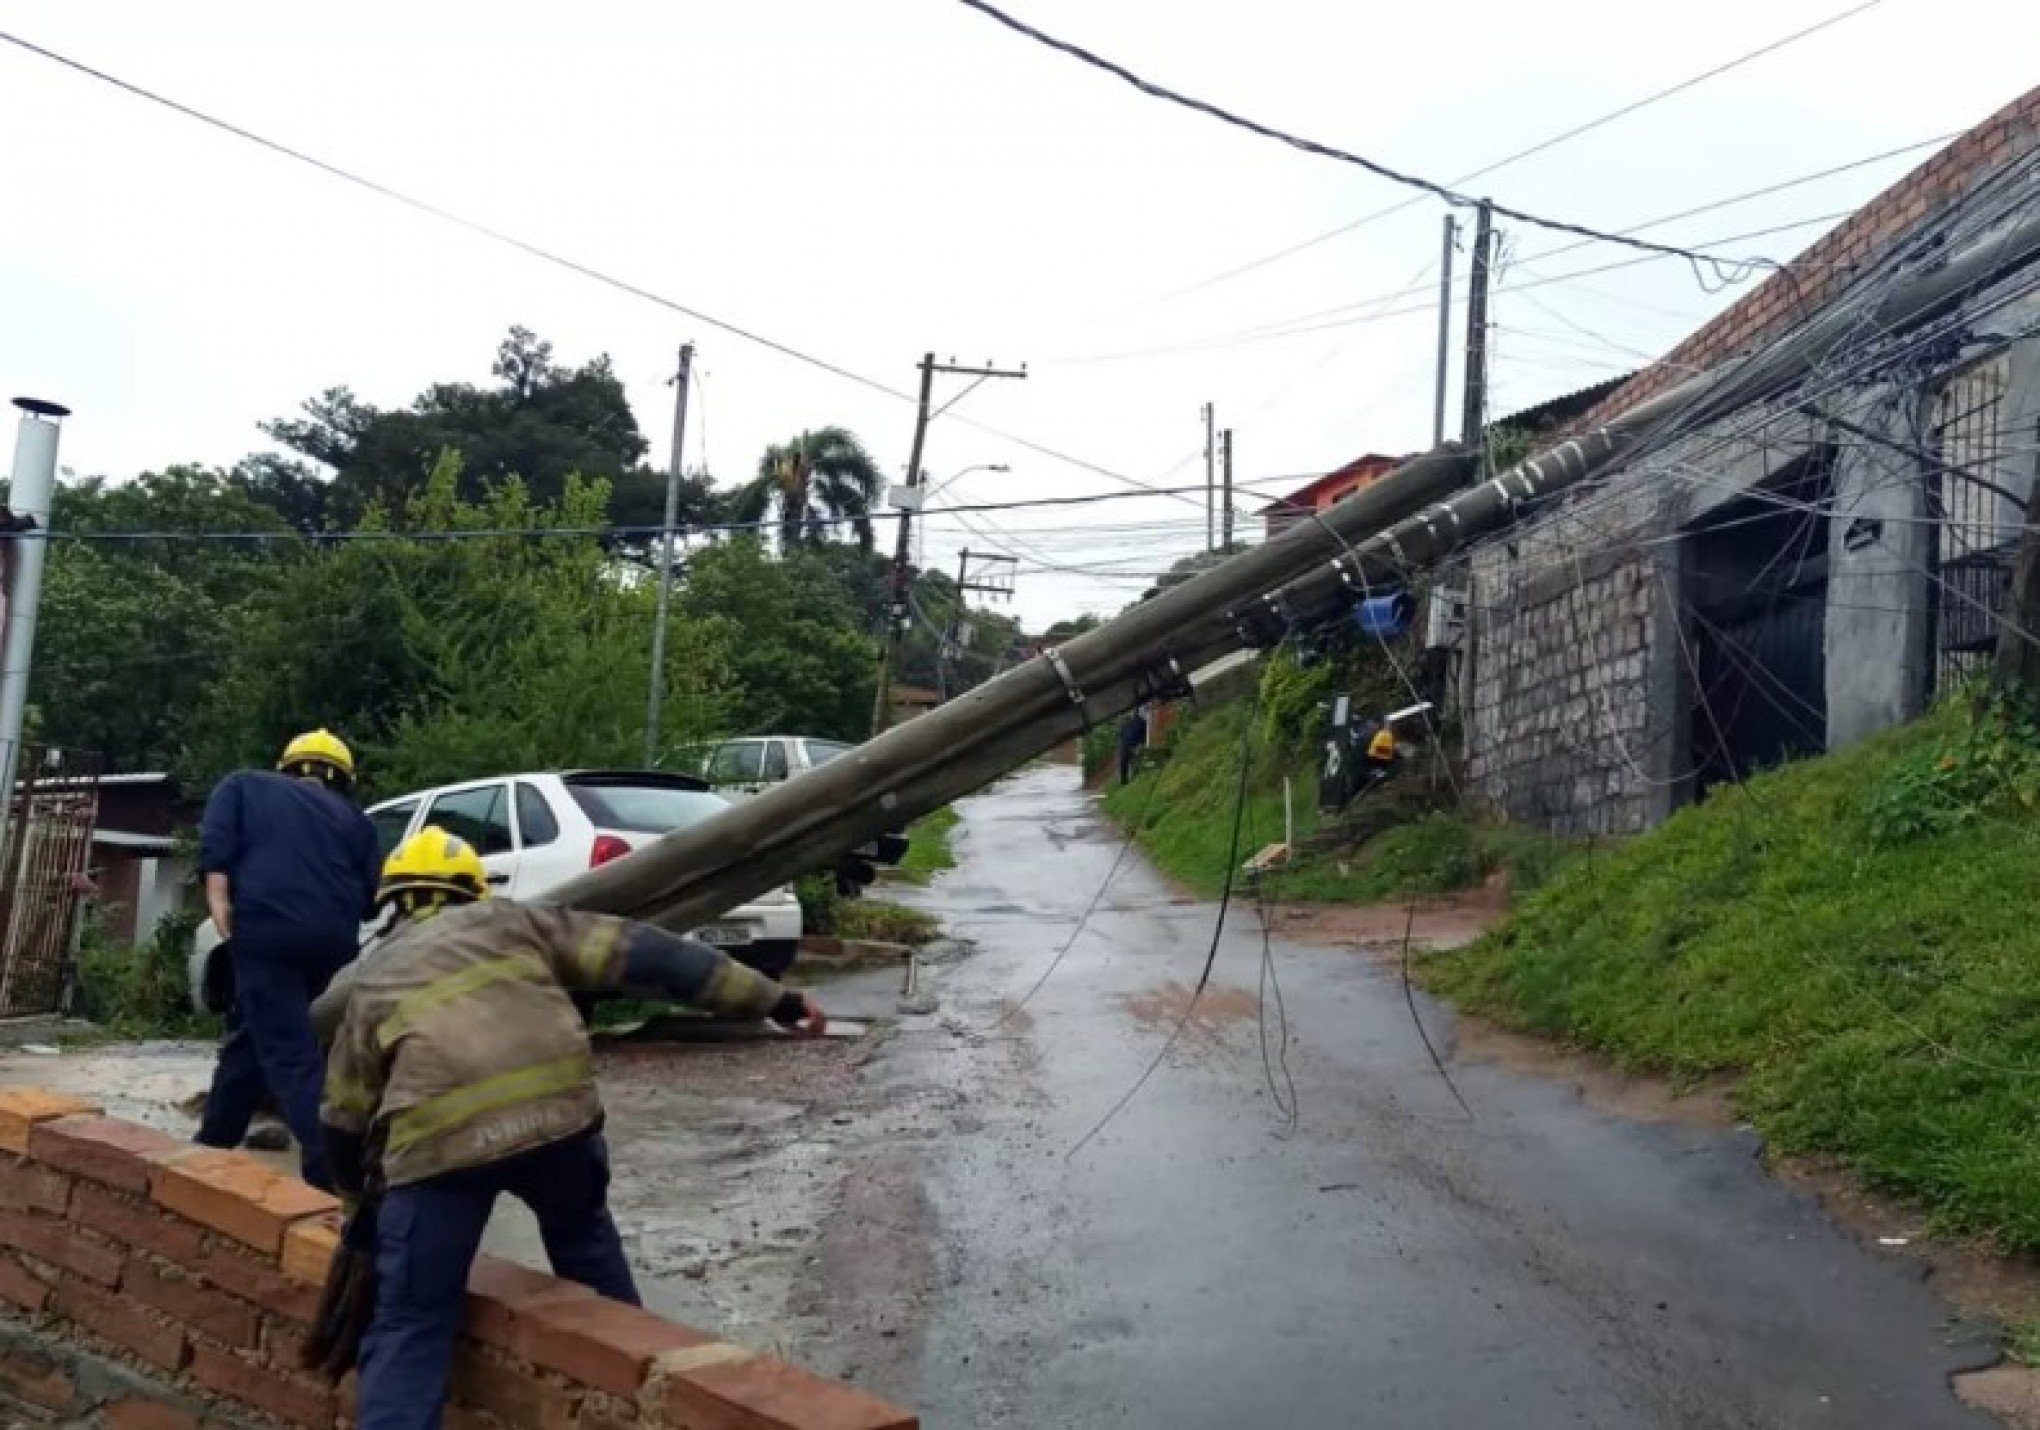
1133,735
290,872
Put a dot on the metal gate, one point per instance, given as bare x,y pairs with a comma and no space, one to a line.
1978,514
43,880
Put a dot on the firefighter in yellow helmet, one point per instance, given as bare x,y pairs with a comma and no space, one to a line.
462,1070
290,872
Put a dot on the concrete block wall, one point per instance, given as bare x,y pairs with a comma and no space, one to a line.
1563,727
148,1284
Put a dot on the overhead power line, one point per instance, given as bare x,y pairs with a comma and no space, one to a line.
1712,205
1324,320
1563,137
547,255
1724,268
714,528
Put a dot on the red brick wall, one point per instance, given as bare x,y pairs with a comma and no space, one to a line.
1816,275
201,1269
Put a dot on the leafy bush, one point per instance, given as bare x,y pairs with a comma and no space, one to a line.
141,991
1100,747
1985,764
886,922
819,902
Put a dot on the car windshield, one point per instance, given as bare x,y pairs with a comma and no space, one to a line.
645,809
820,752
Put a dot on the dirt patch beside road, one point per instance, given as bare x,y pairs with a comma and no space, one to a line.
1444,922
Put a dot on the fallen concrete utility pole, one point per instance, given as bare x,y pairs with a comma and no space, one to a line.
1378,535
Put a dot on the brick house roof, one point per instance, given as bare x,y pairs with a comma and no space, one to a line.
1808,282
1367,467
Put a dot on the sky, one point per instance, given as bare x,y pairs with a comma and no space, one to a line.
867,182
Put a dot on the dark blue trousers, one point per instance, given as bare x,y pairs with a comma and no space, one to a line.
270,1045
427,1235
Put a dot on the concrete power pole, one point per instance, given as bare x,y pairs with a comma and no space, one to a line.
657,690
1225,510
1444,330
1474,415
896,604
896,596
34,483
1210,482
1303,575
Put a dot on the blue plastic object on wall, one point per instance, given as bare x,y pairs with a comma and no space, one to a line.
1386,617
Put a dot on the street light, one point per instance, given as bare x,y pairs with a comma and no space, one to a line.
952,480
921,535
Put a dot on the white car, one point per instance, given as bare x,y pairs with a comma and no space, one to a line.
536,831
756,762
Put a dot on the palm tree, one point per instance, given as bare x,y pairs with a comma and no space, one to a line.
814,482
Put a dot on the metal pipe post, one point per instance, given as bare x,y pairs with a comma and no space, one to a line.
29,492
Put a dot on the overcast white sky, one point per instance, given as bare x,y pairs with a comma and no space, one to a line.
866,181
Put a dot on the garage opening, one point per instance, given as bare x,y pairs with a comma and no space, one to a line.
1755,615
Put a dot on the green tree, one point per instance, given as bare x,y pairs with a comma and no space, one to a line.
800,659
542,423
445,659
1070,629
138,611
814,484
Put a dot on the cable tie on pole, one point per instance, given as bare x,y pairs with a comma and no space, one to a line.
1061,668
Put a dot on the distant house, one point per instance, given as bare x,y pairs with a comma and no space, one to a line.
142,877
907,701
1278,516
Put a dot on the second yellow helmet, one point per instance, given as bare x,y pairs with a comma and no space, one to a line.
434,861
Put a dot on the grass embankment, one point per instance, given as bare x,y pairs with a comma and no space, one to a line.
1180,810
928,852
1856,935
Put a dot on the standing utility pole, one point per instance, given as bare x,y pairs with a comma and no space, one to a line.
1210,483
957,638
907,500
658,682
1473,417
28,499
1444,329
1226,510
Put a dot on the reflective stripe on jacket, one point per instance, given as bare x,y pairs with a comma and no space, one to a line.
461,1040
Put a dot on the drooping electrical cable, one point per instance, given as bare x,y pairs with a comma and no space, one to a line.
1246,760
553,257
1723,268
1240,270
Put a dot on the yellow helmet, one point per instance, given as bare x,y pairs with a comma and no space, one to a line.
433,862
318,752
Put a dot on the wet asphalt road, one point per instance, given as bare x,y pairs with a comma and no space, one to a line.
1391,1263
